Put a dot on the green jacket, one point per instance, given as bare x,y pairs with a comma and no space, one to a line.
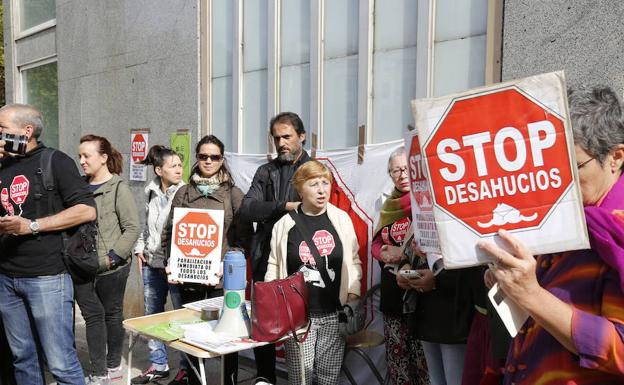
118,221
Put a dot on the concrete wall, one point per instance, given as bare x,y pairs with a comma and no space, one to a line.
126,64
583,37
122,64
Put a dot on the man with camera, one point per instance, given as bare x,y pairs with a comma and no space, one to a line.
36,292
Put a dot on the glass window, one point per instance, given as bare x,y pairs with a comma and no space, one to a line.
294,93
255,120
222,44
459,45
255,86
35,12
40,89
394,68
222,111
340,74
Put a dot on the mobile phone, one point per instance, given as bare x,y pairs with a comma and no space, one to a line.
410,274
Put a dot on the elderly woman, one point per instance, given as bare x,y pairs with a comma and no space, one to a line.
575,299
320,355
404,354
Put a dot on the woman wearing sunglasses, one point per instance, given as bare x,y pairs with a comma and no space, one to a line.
210,187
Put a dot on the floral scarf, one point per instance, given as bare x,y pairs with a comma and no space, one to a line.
206,186
397,206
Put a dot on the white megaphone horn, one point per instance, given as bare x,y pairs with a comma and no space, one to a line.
234,320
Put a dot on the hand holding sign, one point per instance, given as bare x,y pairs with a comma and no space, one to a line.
514,270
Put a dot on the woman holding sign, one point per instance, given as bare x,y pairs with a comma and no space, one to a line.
101,301
210,187
333,279
575,299
404,355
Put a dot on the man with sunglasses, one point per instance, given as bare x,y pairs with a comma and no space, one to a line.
270,196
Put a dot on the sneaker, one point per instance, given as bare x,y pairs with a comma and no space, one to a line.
115,374
97,380
182,378
150,375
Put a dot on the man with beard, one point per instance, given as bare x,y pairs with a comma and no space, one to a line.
270,196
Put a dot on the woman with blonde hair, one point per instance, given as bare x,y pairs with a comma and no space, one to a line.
320,355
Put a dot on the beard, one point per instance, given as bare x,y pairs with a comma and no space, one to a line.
290,156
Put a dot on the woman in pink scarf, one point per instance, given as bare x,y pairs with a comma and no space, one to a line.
575,333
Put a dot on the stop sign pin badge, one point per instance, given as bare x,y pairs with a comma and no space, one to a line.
501,157
18,191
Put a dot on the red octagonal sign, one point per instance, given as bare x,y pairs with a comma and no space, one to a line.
498,160
197,234
19,189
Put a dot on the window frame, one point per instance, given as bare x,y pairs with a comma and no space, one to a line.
426,40
19,89
16,21
365,93
20,86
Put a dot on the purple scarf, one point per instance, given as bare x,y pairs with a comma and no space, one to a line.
605,224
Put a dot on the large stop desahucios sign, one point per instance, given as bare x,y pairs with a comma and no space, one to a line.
197,234
498,160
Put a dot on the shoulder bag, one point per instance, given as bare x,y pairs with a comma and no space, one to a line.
80,242
279,307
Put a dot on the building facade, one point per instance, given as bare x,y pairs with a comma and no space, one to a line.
348,67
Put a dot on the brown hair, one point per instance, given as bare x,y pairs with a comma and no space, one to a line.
115,159
309,170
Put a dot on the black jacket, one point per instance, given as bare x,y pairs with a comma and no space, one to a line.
263,205
444,315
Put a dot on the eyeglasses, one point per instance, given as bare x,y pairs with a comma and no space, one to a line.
396,172
205,157
580,166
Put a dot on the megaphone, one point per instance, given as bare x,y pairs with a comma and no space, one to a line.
234,320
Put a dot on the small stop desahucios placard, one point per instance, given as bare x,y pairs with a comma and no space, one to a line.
501,157
196,243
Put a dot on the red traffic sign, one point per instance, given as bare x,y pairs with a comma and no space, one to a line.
138,148
19,189
197,234
498,160
418,179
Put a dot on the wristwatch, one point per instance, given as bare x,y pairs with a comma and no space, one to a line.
34,227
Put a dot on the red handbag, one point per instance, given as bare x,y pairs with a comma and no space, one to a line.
279,307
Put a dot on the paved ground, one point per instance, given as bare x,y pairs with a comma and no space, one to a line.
246,369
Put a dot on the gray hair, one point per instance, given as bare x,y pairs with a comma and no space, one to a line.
398,152
25,115
597,121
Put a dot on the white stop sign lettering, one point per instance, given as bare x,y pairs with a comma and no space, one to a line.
196,230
